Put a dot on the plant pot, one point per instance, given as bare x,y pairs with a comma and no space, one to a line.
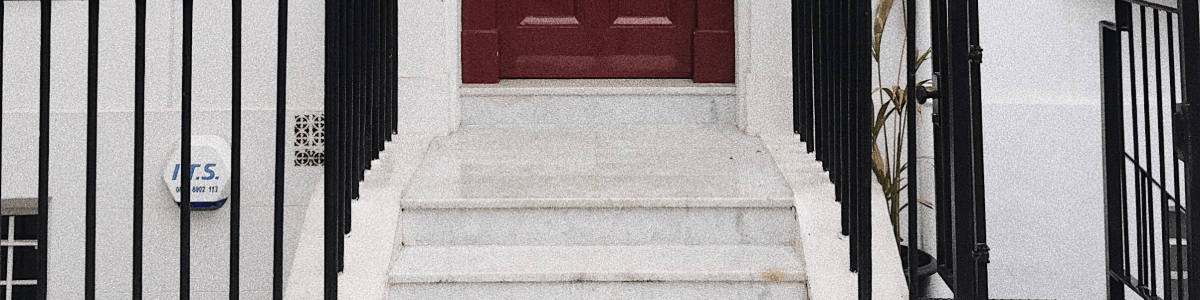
926,265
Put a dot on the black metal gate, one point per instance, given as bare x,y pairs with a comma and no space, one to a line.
831,64
1150,76
962,256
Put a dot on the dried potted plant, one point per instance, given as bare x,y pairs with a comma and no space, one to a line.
888,136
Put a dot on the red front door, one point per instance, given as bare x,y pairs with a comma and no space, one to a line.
597,39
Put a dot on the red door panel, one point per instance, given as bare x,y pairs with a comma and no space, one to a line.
597,39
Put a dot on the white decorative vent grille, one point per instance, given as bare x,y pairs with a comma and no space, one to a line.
310,140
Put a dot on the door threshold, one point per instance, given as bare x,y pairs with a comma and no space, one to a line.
551,87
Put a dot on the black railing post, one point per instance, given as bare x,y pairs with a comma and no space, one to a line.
89,256
1114,156
235,180
980,251
185,159
280,154
139,144
333,144
860,96
44,154
1189,49
910,113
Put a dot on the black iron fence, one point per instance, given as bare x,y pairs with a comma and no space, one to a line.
360,115
832,110
833,114
1149,74
360,110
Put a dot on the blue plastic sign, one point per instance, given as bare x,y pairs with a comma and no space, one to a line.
209,171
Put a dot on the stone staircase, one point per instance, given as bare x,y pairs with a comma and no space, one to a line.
610,191
596,189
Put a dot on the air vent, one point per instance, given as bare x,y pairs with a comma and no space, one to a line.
310,140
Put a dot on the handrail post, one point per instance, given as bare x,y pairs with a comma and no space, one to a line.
1189,49
1114,151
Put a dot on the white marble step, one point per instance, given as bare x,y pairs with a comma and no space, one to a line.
597,101
614,185
600,222
598,272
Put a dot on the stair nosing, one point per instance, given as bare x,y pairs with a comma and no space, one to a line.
597,91
794,273
653,202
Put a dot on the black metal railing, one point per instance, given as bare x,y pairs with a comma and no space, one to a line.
360,110
1149,78
360,115
832,110
833,115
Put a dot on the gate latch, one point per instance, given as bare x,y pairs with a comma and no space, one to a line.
1181,124
922,94
981,253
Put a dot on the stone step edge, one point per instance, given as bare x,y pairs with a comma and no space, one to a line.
502,203
602,264
597,91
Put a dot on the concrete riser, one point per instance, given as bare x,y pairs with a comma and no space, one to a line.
598,109
601,290
599,226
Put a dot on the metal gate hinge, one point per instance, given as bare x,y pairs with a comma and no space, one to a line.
976,54
981,253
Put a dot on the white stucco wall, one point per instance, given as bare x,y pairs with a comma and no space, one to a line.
1041,128
211,107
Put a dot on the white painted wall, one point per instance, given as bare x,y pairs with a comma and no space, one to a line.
211,105
764,66
1041,128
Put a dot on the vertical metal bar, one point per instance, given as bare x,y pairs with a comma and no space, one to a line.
821,83
797,124
941,147
958,97
910,113
393,69
333,41
44,154
185,160
235,180
1179,255
801,12
1136,147
1189,50
89,254
139,143
979,215
841,121
1146,238
1163,196
280,122
1,95
2,99
1114,155
858,136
